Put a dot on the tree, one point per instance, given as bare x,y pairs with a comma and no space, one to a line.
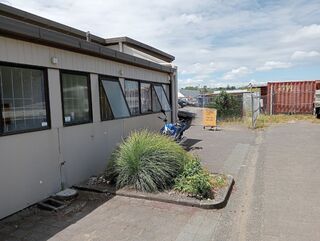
227,105
191,88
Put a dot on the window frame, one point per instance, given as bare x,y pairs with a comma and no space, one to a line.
117,79
113,79
151,84
139,84
169,98
72,72
101,89
46,99
165,94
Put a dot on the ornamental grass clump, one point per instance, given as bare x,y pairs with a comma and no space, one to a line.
147,161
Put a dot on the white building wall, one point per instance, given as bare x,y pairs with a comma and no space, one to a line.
17,51
30,162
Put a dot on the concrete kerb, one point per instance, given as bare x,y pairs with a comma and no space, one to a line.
221,200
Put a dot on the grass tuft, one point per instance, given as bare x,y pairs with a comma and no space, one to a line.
147,161
267,120
264,121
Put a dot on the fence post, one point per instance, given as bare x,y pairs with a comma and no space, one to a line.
271,100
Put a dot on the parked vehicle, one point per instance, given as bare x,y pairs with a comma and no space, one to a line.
317,104
182,103
176,130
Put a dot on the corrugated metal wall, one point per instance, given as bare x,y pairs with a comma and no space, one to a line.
291,97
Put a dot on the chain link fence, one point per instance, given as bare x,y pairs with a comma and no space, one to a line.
230,107
247,106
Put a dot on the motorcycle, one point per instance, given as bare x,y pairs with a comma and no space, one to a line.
176,130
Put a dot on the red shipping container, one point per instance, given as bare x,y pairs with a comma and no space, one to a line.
294,97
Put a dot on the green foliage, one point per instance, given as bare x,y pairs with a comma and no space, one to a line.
147,162
206,89
191,88
228,106
194,180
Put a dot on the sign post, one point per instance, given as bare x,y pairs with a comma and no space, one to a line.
209,118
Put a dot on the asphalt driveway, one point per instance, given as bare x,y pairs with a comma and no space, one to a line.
276,196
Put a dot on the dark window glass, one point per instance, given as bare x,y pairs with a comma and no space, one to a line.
145,97
75,93
156,106
106,112
115,98
131,91
166,88
23,99
162,98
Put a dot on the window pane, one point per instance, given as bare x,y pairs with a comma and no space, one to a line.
162,98
75,91
156,107
23,99
116,98
106,113
145,92
167,91
131,91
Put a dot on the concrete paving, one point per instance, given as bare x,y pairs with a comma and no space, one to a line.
275,197
290,164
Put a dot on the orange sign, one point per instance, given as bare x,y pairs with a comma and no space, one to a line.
209,117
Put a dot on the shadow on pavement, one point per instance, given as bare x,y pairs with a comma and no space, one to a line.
34,224
189,144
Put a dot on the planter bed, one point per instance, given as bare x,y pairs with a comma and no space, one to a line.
220,200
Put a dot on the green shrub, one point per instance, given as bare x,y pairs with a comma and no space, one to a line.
147,162
194,180
227,105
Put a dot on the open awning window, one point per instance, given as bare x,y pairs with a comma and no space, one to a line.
162,97
116,98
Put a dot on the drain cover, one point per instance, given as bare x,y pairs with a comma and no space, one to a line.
66,194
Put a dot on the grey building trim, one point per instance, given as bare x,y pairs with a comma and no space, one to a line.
24,16
141,46
67,38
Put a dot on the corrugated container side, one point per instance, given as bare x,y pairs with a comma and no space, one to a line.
291,97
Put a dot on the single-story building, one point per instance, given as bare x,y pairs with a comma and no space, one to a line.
67,98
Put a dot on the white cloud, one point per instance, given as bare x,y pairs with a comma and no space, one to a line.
236,73
201,68
208,38
193,81
191,18
269,65
304,33
302,55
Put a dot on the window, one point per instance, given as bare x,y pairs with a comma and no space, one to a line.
145,98
106,112
23,100
166,88
162,98
131,91
75,98
156,106
115,97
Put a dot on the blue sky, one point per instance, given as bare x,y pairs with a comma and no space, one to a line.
215,42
